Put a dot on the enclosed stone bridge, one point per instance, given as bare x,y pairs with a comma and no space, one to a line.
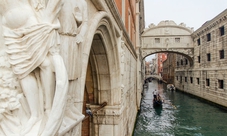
167,36
153,76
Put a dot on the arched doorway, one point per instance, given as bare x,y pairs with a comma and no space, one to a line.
102,74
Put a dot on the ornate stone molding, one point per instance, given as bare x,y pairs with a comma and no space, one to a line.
169,23
110,115
211,24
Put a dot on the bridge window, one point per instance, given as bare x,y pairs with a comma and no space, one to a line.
222,30
208,57
198,59
191,79
186,62
207,82
177,40
185,79
157,40
208,37
198,41
220,84
221,54
197,80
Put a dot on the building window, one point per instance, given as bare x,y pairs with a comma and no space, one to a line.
157,40
180,79
198,59
207,82
198,41
185,79
220,84
222,30
177,77
197,80
177,40
208,37
191,79
221,54
181,62
177,63
208,57
186,62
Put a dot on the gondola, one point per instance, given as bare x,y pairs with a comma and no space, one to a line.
157,102
171,87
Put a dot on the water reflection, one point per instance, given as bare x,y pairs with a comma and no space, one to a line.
158,110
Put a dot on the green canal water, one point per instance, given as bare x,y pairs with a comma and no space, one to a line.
180,115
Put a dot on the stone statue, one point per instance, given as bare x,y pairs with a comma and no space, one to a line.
73,18
30,31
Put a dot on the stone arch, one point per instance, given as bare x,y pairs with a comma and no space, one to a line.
101,52
190,58
100,65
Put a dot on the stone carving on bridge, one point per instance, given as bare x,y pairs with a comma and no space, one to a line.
33,77
167,31
167,43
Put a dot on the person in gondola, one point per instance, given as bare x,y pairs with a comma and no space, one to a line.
172,87
155,93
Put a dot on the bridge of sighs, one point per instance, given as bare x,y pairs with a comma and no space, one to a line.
167,36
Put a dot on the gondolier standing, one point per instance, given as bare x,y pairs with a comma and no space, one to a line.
155,93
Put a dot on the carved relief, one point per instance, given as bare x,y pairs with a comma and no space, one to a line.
33,77
122,58
73,19
166,31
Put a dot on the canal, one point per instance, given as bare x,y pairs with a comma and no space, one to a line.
180,115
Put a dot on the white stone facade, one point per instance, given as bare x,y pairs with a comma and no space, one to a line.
207,78
167,36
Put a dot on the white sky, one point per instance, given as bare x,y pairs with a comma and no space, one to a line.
194,13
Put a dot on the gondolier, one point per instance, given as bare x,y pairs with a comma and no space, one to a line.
155,93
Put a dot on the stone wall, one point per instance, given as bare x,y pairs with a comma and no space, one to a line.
208,76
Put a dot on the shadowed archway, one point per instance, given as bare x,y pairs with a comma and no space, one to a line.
102,71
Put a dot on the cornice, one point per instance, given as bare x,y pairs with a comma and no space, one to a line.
211,24
168,23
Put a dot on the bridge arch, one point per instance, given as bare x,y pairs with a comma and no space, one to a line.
190,58
168,37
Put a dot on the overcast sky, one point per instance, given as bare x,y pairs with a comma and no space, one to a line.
194,13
